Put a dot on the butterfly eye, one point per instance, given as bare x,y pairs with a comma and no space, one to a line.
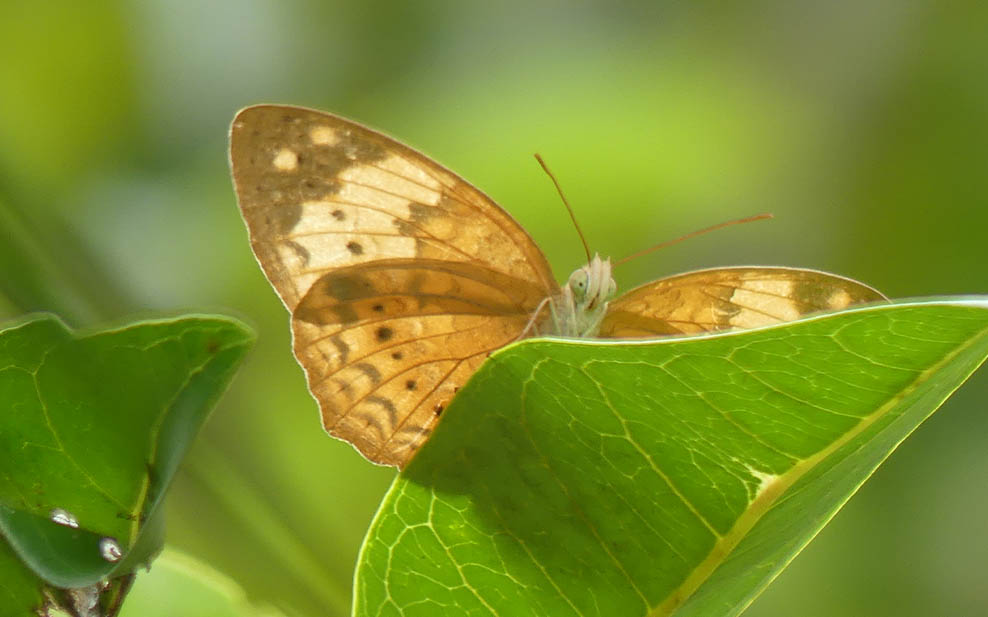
578,283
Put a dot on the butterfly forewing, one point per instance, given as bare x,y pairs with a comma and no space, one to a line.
400,276
726,298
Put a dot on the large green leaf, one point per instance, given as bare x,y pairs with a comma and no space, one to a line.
92,432
656,478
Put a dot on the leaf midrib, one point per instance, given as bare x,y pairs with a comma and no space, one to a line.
770,494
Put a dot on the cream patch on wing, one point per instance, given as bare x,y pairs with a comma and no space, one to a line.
379,211
388,183
323,136
326,236
763,302
839,299
402,167
286,160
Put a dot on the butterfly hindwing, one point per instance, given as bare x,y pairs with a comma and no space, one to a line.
385,344
400,276
726,298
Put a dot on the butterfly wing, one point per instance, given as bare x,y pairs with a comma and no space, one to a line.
400,276
726,298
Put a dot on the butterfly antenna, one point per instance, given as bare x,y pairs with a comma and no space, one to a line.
568,208
747,219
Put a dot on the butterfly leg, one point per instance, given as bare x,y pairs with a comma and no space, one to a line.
531,322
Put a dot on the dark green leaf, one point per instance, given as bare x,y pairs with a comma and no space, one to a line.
93,429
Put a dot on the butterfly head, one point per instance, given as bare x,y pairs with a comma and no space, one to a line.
581,307
592,284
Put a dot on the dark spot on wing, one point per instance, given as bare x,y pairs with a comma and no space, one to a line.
387,405
299,250
338,215
344,387
348,287
812,295
331,299
438,409
410,384
397,355
321,313
282,219
341,347
384,333
369,370
419,212
359,149
345,313
378,308
350,150
355,248
371,421
317,188
405,228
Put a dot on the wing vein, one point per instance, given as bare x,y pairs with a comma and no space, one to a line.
404,420
324,378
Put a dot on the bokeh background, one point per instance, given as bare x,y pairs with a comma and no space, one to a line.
863,126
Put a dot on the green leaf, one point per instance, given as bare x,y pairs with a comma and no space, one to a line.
93,430
656,478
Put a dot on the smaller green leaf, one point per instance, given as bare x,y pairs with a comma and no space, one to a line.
673,477
93,430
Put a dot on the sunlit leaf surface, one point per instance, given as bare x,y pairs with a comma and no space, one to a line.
668,478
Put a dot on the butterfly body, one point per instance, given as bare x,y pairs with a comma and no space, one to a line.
582,303
401,277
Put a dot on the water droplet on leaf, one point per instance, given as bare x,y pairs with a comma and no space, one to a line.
110,550
64,517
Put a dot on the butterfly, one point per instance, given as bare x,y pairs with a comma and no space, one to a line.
401,277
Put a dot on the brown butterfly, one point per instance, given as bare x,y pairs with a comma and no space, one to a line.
401,277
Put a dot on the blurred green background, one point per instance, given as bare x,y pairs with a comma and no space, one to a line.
863,126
